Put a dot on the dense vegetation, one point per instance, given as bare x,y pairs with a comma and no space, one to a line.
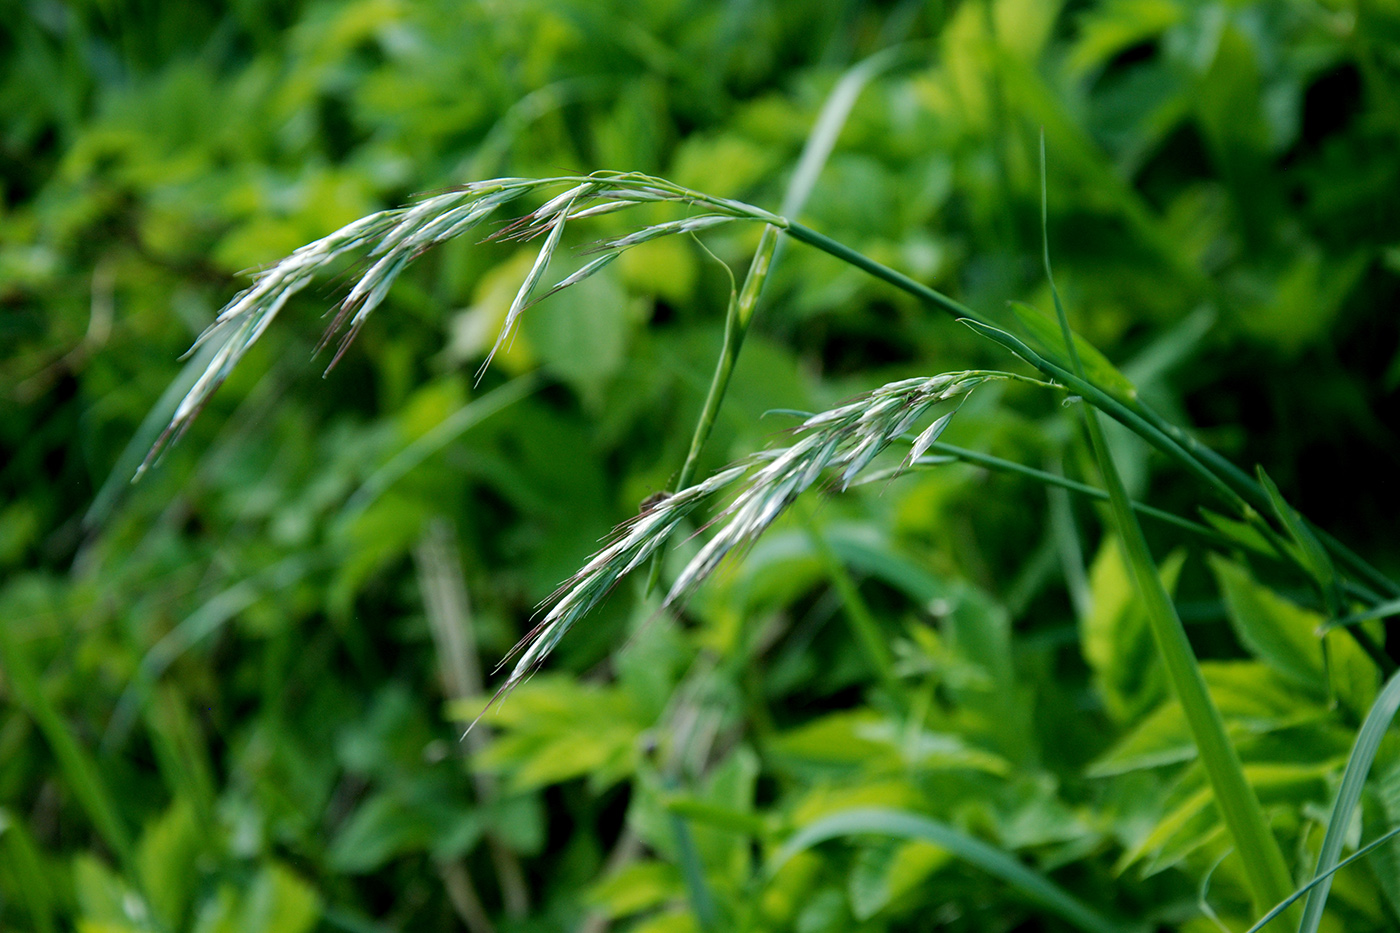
234,692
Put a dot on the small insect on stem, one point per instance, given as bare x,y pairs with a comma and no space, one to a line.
652,501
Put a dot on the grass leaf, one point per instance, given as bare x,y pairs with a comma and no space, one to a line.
902,824
1363,754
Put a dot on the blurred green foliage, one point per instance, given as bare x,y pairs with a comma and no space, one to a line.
234,692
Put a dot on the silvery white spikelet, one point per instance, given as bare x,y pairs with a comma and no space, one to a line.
847,438
390,240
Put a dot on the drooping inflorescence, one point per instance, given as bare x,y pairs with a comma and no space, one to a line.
390,240
847,438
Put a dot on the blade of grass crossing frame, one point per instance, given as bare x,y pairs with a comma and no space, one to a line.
900,824
1323,878
1266,871
1363,754
1234,486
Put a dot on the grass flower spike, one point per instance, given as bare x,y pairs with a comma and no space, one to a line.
390,240
847,438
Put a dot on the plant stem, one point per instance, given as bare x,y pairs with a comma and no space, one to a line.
1054,479
736,326
1227,479
1264,864
898,279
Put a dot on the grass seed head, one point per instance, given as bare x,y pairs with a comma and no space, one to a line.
847,438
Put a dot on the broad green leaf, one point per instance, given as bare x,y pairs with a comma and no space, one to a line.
581,334
1116,638
1193,822
1278,632
1109,28
674,921
166,854
277,901
554,728
637,887
864,739
101,896
387,825
884,873
1252,700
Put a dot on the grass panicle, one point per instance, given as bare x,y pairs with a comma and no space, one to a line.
845,439
388,241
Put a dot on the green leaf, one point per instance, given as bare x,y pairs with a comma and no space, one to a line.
1315,557
900,824
884,873
1116,637
581,334
1252,699
389,824
1281,634
167,854
637,887
864,739
1242,533
277,901
22,866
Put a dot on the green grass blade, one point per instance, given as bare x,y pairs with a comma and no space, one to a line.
1326,876
947,453
832,119
1379,611
1266,871
1234,485
1363,754
1044,330
1314,556
900,824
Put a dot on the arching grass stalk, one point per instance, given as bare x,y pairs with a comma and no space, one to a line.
392,239
1266,871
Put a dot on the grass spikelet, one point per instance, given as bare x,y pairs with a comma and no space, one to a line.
390,240
847,438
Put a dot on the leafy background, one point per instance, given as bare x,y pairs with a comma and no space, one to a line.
234,692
